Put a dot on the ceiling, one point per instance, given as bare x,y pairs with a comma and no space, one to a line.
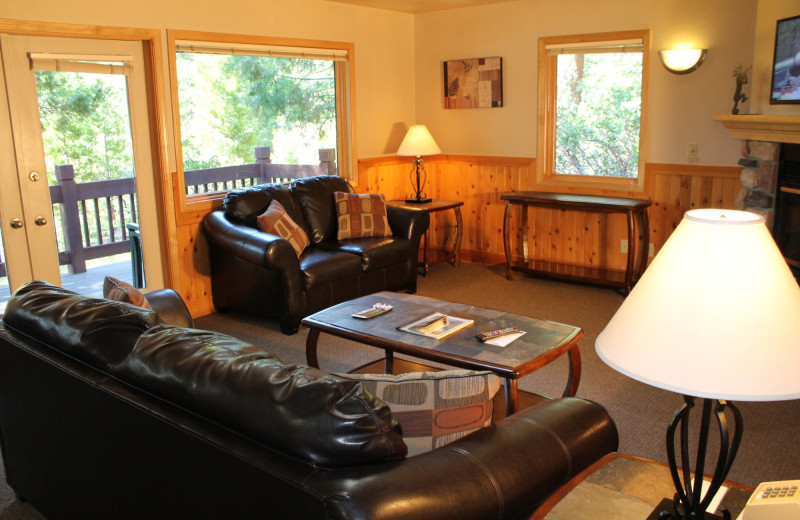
418,6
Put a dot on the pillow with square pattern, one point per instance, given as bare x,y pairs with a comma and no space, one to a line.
120,291
277,222
435,408
361,215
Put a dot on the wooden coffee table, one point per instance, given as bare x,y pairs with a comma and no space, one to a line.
543,342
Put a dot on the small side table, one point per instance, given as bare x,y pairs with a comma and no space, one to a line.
432,207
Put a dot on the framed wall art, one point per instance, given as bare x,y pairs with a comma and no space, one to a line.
473,83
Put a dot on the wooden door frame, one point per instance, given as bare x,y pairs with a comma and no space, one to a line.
152,48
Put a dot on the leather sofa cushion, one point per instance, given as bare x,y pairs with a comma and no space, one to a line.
247,204
96,331
375,253
315,195
321,267
294,409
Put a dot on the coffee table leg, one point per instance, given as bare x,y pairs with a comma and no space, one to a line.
311,347
574,378
389,363
512,396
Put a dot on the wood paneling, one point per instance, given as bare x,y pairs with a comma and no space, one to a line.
572,237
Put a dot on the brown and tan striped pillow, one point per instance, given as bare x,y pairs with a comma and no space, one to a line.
121,291
435,408
276,221
361,215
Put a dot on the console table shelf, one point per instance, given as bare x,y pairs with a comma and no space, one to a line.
634,209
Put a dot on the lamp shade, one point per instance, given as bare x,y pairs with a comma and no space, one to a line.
417,142
716,315
682,61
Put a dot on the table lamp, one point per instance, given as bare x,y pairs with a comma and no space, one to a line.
713,317
418,142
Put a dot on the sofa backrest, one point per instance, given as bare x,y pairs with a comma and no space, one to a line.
247,204
315,195
294,409
96,331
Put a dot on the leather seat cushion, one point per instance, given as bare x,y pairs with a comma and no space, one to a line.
321,267
96,331
294,409
375,252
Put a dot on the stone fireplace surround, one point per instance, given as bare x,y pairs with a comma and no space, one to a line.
763,136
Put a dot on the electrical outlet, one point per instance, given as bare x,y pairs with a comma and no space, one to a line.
623,246
691,152
651,251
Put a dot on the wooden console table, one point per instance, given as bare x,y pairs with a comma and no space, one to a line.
444,255
634,209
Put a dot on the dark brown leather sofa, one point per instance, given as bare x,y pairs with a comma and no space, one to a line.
104,413
258,273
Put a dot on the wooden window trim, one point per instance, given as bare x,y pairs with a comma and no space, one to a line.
546,177
193,207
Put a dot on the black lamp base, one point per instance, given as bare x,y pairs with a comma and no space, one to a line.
665,510
418,201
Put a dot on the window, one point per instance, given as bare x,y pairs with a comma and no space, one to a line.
256,111
592,121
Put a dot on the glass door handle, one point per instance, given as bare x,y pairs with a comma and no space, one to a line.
40,221
16,223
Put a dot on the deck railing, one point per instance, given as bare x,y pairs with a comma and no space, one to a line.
92,217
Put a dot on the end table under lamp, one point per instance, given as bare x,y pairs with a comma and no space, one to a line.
418,142
713,317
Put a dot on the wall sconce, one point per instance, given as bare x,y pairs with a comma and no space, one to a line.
682,61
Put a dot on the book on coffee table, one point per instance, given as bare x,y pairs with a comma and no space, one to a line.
436,325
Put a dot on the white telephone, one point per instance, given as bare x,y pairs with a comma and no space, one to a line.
774,501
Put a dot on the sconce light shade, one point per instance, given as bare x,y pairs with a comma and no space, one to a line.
682,61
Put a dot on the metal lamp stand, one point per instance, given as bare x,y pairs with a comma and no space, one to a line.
689,502
420,198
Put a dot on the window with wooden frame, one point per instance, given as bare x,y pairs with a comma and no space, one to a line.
253,110
592,110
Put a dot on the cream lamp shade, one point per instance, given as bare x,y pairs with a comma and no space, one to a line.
418,142
715,315
682,61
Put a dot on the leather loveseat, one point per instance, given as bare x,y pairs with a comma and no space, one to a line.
105,413
259,273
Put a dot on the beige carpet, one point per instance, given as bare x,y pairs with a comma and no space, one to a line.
769,449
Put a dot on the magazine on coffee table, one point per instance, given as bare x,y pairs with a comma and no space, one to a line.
436,325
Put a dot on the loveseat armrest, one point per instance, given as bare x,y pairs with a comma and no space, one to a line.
169,307
502,471
407,222
250,244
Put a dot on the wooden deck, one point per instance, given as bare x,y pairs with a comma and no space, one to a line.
89,283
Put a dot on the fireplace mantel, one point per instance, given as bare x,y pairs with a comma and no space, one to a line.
777,129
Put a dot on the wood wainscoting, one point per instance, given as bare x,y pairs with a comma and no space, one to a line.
572,237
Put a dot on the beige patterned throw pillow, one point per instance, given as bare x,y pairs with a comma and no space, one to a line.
435,408
277,222
361,215
119,291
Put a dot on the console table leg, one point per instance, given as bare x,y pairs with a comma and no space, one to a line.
507,239
459,235
311,347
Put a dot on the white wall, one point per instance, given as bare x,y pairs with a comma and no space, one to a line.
384,60
769,12
681,107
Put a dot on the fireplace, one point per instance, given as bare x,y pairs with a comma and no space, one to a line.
786,228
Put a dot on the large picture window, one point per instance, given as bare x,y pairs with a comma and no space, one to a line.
592,116
257,111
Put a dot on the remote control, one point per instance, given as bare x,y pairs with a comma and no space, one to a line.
485,336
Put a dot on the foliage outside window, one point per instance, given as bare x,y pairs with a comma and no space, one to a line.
236,99
592,93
